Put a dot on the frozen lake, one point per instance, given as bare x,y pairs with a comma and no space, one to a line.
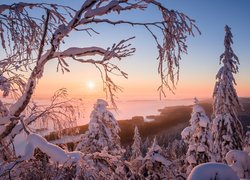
129,108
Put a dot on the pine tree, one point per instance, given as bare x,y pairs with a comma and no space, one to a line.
102,132
155,165
136,146
198,138
227,129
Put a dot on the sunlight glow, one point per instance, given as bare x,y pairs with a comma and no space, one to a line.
90,85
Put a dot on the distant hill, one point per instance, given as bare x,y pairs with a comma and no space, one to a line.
168,124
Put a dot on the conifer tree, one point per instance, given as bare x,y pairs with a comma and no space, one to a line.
227,129
102,132
198,138
136,146
155,165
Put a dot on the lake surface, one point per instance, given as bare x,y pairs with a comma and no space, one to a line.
130,108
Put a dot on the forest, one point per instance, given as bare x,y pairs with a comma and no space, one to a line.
209,139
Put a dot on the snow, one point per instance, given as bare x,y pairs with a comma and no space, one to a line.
227,129
239,161
198,108
186,132
76,51
102,131
136,146
101,10
163,160
204,121
56,154
191,159
201,148
216,171
247,149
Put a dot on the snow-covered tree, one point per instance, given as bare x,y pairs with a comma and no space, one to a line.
102,165
146,144
226,128
198,138
136,146
176,152
247,141
102,132
31,40
155,165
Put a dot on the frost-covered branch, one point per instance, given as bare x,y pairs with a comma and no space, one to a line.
175,27
62,112
31,40
104,65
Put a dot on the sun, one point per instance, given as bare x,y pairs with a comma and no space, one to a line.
90,85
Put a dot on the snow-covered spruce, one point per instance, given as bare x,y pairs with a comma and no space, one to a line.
198,138
155,165
136,158
239,161
103,165
102,132
136,146
210,170
226,128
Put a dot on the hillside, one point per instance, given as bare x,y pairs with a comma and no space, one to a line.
168,124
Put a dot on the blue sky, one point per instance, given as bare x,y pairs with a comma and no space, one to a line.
198,68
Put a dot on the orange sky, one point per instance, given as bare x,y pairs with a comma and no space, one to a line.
135,87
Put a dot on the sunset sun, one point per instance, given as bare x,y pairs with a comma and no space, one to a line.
90,85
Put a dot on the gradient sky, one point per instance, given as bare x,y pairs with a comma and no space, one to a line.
198,68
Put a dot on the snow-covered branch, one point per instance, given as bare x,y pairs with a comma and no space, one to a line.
104,65
31,40
175,27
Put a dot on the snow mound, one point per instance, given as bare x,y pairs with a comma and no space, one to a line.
55,153
216,171
239,161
